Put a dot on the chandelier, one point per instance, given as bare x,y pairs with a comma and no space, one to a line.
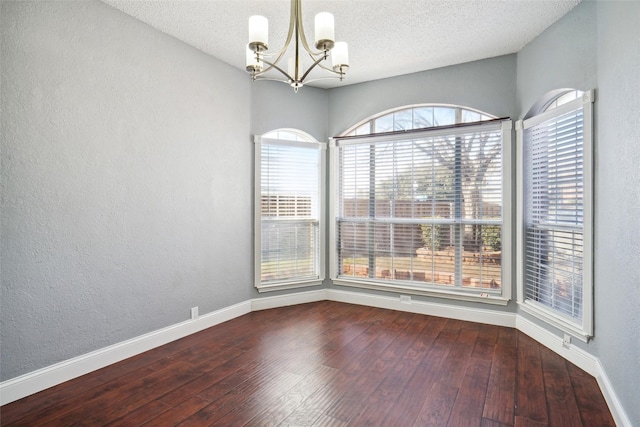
263,66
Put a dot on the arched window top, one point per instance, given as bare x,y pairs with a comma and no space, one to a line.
417,117
554,99
289,134
563,99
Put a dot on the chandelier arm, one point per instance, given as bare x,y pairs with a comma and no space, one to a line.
273,66
269,68
303,37
324,67
323,78
273,79
270,65
315,63
278,56
292,23
296,70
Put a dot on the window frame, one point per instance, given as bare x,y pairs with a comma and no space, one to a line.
583,331
504,295
304,140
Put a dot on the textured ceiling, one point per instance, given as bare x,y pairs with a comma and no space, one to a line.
386,37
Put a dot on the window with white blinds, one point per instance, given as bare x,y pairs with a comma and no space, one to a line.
556,215
423,210
288,213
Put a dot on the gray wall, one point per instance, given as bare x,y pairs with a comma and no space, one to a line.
563,56
488,85
596,46
275,105
126,181
617,188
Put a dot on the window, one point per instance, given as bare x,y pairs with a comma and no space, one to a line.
419,117
289,227
555,219
423,210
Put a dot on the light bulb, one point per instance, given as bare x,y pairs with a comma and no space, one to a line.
324,30
258,32
340,55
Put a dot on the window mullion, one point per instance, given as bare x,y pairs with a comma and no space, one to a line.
458,211
372,209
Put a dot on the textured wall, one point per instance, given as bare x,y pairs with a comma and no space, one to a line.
126,181
488,85
595,46
563,56
617,213
275,105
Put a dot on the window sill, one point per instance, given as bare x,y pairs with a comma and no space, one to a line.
555,320
288,285
483,297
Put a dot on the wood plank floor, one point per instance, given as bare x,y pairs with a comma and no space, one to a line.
329,364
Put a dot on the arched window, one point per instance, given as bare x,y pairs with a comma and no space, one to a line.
289,134
417,117
562,99
420,203
555,241
553,99
288,218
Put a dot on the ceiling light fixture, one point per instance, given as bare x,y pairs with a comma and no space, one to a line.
295,75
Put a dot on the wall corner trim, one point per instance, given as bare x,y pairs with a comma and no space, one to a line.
41,379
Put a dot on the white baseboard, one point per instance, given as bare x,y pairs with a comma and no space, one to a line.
581,359
619,415
573,354
288,299
490,317
33,382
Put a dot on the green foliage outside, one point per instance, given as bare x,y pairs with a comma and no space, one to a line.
491,237
431,236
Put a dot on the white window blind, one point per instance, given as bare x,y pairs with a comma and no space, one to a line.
556,229
422,209
288,232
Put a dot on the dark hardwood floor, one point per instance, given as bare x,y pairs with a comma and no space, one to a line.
329,364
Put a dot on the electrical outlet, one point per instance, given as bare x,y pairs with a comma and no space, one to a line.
566,342
194,313
406,299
